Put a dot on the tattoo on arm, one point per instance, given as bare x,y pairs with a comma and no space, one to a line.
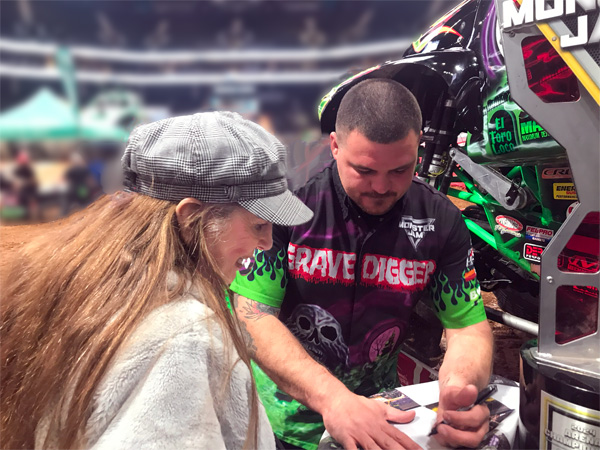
255,310
252,311
247,338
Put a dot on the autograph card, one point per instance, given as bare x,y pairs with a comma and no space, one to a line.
396,399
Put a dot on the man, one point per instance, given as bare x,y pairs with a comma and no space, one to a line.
328,306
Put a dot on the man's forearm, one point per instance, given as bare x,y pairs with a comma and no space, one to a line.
468,358
283,358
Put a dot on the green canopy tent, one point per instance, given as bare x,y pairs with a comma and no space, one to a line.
46,116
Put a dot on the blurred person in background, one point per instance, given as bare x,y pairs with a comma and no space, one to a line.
310,35
115,330
9,207
359,30
236,36
81,185
107,33
25,185
160,38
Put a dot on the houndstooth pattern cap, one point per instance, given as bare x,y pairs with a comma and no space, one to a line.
215,157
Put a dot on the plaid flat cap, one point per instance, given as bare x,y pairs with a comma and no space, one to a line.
215,157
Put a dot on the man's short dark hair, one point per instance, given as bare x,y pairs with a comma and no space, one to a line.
382,110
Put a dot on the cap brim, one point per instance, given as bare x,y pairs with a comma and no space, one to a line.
283,209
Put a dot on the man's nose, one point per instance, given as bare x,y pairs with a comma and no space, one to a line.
381,185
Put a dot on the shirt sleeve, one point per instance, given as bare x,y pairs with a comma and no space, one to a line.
265,282
454,289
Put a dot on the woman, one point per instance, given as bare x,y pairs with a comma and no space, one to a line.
115,331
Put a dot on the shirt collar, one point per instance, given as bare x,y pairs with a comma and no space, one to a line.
339,190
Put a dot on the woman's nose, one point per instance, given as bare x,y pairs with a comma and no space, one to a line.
266,239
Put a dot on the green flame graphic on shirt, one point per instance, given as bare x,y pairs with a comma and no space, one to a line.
448,295
265,266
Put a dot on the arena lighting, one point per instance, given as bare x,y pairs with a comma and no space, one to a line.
210,56
171,79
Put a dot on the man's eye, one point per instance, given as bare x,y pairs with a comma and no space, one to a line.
260,226
400,171
364,171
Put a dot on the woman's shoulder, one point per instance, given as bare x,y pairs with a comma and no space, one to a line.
168,360
184,317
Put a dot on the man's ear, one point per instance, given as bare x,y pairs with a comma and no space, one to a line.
184,209
334,144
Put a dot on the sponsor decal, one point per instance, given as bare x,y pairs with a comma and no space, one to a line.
571,208
578,264
538,234
509,223
532,252
503,138
470,273
564,191
502,230
395,273
556,172
416,229
332,266
475,294
530,130
590,291
534,11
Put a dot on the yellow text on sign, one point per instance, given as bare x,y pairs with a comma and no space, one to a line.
564,191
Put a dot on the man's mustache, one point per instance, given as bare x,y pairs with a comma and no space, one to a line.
376,195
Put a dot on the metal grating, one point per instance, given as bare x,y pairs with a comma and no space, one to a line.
571,23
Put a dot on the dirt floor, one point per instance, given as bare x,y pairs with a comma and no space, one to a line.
508,342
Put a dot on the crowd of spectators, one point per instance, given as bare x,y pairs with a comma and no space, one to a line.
288,110
219,24
208,26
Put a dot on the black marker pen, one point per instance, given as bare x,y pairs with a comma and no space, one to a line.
483,395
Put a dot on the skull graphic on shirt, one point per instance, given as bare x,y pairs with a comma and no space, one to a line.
320,334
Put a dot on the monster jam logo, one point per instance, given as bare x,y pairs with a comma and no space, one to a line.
416,229
531,11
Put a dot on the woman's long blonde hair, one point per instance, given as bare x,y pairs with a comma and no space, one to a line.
77,292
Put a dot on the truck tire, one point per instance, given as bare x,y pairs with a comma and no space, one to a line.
518,303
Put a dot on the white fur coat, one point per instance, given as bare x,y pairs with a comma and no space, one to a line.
164,389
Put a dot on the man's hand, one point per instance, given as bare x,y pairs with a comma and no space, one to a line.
467,428
356,421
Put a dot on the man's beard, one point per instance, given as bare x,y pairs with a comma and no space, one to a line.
377,204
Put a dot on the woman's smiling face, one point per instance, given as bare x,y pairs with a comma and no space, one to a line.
241,235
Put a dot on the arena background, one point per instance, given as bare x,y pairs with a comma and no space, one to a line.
77,76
